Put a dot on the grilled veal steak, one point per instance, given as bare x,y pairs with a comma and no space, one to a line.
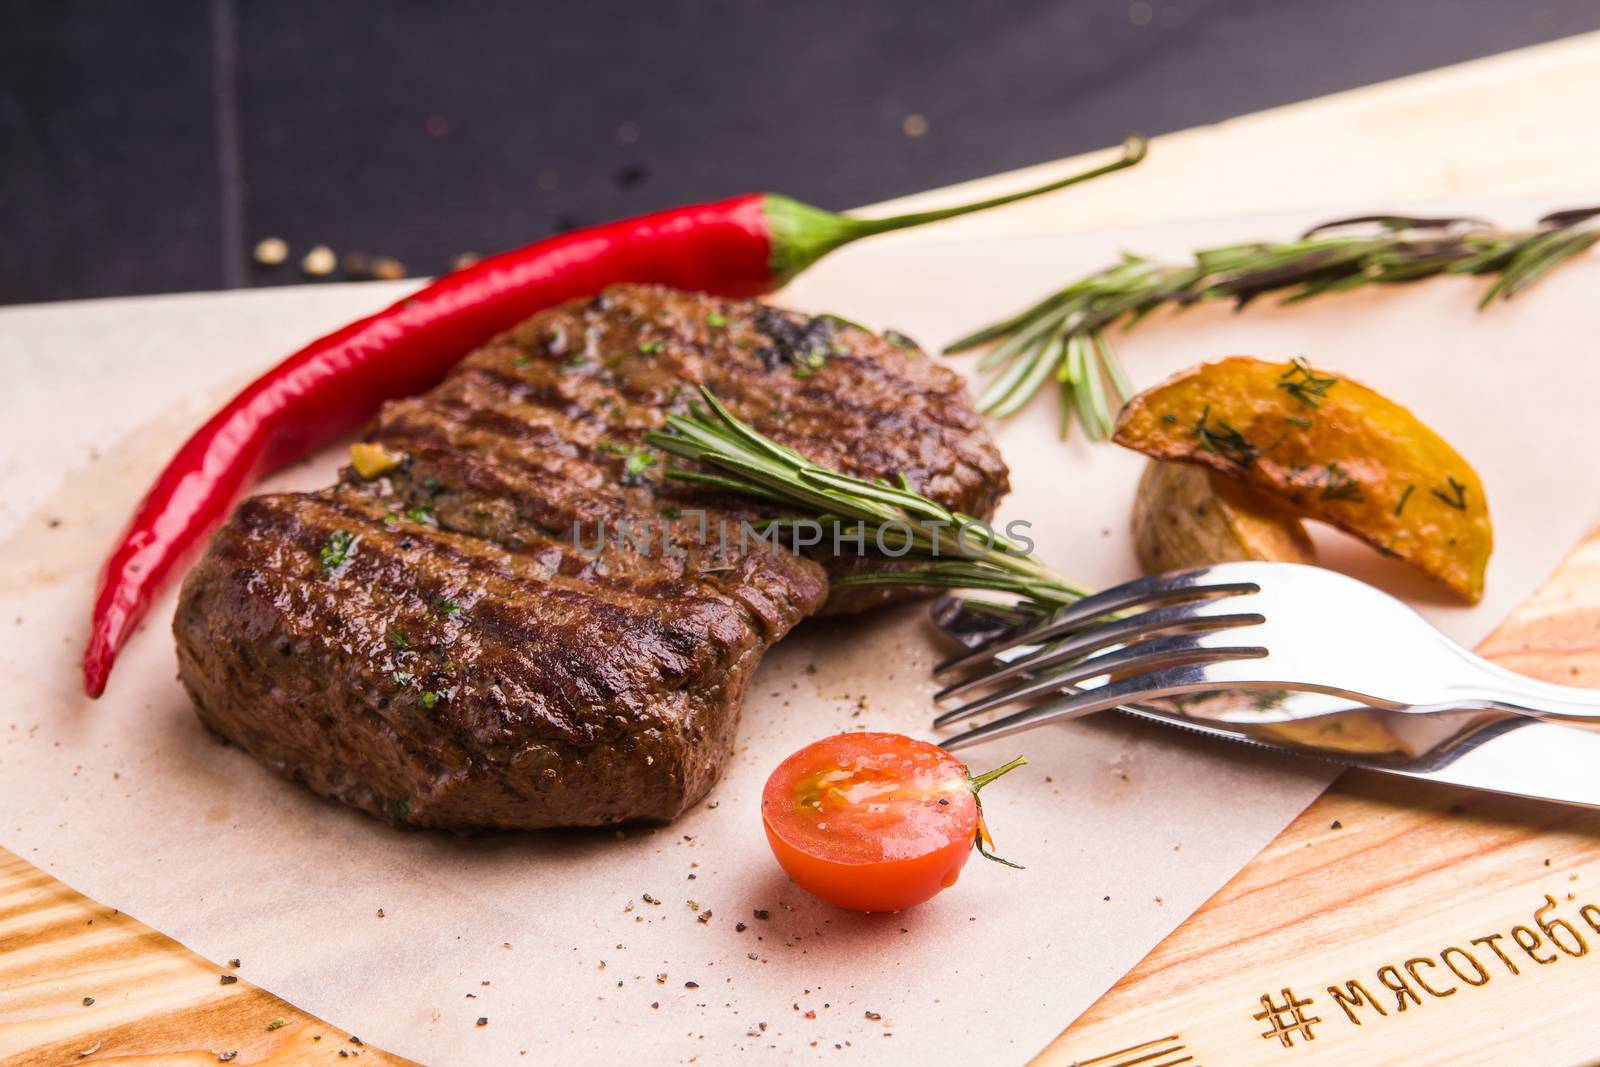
435,647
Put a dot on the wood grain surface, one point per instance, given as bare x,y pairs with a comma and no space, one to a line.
1408,872
83,983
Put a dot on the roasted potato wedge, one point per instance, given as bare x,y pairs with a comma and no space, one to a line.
1188,516
1330,449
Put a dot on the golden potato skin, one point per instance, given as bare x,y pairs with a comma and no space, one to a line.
1331,449
1189,516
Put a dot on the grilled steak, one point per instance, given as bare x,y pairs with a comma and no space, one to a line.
443,646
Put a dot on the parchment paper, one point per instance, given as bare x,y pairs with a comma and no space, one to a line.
1124,828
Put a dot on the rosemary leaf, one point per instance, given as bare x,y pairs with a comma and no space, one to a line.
1121,387
733,457
1095,380
1012,391
1536,259
1082,391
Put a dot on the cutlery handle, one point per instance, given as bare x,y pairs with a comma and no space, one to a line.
1517,693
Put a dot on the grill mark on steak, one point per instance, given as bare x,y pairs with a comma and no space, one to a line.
587,646
532,685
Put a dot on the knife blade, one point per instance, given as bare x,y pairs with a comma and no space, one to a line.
1515,755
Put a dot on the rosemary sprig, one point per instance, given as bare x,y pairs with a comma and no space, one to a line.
1063,335
734,457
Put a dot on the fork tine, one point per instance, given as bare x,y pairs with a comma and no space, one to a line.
1201,615
1176,584
1143,687
1144,657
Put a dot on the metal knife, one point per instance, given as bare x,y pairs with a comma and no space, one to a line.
1515,755
1497,753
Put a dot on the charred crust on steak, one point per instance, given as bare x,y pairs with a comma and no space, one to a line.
796,340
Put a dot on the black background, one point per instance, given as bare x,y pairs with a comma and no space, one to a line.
146,146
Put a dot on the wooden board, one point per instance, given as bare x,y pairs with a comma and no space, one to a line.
1394,921
1319,906
83,983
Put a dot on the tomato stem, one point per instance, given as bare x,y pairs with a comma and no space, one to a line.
981,840
981,780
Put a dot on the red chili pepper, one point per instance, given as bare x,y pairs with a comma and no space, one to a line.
738,248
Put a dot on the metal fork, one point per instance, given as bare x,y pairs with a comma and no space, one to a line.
1271,628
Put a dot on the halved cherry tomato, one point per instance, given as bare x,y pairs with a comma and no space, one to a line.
874,821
